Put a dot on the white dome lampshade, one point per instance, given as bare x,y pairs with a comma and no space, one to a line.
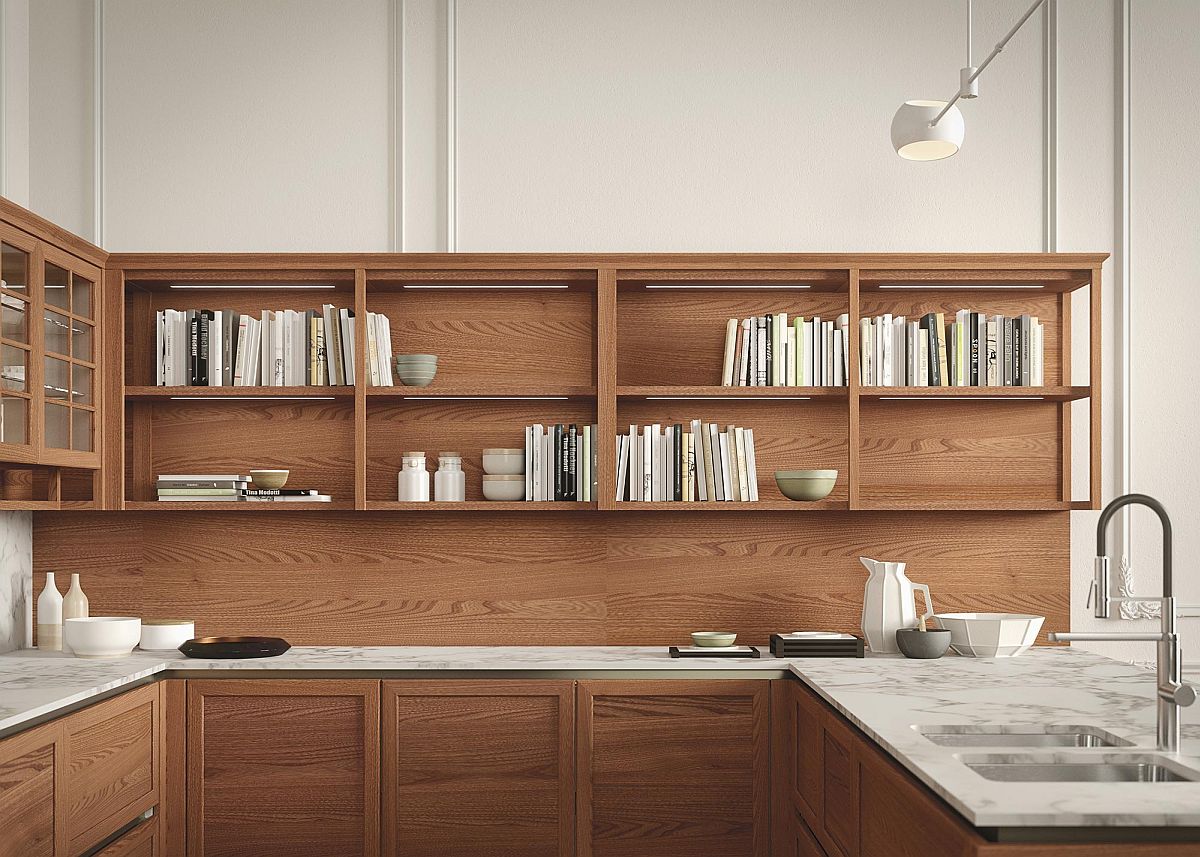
916,140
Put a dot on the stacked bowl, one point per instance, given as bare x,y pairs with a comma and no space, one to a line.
416,370
504,474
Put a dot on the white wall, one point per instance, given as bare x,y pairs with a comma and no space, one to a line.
673,125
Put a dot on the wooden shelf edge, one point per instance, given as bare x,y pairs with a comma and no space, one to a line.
489,392
962,505
716,392
235,393
479,506
733,506
1049,394
226,506
29,505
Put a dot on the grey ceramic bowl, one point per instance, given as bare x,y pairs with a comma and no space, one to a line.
923,645
807,485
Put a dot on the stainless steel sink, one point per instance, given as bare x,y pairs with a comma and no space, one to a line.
1110,768
1023,735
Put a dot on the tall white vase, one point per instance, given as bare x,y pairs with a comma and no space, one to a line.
888,604
49,618
75,606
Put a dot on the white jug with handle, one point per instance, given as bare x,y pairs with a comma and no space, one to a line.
888,604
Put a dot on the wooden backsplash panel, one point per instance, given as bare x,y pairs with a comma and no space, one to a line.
586,578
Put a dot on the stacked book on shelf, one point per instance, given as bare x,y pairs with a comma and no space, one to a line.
229,488
560,462
670,463
775,351
276,348
973,350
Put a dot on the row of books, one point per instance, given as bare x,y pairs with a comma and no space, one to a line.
560,462
669,463
229,488
973,350
771,351
278,348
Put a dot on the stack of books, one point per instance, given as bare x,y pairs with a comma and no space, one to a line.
706,464
560,462
816,644
228,488
973,350
771,351
278,348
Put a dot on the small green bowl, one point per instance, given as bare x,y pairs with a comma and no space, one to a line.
713,639
806,485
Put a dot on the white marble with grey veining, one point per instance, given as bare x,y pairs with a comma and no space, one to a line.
886,697
16,576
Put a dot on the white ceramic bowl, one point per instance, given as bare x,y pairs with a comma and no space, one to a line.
504,487
713,639
990,635
165,635
102,636
504,462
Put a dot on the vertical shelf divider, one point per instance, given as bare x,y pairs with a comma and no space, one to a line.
1094,379
360,388
1064,408
606,386
108,484
854,384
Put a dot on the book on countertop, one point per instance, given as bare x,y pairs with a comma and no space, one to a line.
817,644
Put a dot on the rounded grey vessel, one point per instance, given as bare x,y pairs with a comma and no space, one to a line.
925,645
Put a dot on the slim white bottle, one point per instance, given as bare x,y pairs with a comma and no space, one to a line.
50,610
75,606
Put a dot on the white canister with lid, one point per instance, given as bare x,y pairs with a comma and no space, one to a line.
449,482
413,481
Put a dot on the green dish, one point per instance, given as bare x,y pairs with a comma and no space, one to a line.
713,639
806,485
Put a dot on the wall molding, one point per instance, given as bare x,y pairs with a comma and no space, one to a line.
3,99
451,126
1050,143
396,79
98,233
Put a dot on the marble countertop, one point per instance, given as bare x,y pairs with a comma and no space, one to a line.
887,697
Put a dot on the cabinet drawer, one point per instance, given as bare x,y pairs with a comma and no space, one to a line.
112,770
141,841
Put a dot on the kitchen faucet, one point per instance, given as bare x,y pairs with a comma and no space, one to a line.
1172,693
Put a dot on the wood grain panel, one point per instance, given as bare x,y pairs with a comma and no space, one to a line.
474,767
659,761
173,802
788,435
29,787
804,841
466,427
950,450
668,336
539,337
141,841
113,765
840,798
901,820
564,579
287,768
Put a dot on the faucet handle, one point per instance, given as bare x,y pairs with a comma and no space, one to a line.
1091,594
1180,694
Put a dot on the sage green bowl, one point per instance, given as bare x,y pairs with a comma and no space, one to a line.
806,485
713,639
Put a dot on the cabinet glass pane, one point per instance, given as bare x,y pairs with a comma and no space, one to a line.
81,385
58,286
58,426
12,368
58,333
81,340
14,268
14,420
14,322
81,296
58,379
81,430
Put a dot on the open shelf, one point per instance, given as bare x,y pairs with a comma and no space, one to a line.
482,392
679,392
479,506
1050,394
826,505
199,506
235,393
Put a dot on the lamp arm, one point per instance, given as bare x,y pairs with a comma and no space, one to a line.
995,53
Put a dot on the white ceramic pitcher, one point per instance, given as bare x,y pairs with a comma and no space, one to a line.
888,604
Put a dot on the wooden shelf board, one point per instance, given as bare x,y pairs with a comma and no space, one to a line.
478,506
491,391
1053,394
965,504
974,280
235,506
712,392
29,505
734,506
235,393
800,280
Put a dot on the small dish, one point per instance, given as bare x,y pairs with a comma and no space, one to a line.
270,479
503,487
102,636
806,485
714,639
504,462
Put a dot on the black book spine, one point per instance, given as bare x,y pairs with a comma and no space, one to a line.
973,355
558,462
1016,352
770,347
572,488
202,347
193,348
231,324
677,451
952,354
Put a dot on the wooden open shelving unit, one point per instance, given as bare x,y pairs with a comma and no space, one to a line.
612,340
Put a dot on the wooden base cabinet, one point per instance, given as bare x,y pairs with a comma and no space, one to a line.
673,768
287,768
478,768
30,792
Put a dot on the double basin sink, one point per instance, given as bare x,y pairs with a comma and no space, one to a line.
1046,763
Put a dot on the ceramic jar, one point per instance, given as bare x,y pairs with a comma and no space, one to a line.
449,483
75,606
413,481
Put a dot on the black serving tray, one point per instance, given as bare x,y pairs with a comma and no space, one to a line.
235,647
715,653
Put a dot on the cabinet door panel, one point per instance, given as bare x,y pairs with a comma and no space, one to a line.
902,820
112,765
804,841
671,768
478,767
28,786
807,719
141,841
841,786
287,768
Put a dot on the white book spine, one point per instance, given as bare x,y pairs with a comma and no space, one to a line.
730,348
751,465
726,474
923,358
744,357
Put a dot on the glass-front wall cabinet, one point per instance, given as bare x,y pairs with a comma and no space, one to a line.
48,354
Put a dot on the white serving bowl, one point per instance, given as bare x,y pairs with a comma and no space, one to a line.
504,462
102,636
504,487
165,635
990,635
